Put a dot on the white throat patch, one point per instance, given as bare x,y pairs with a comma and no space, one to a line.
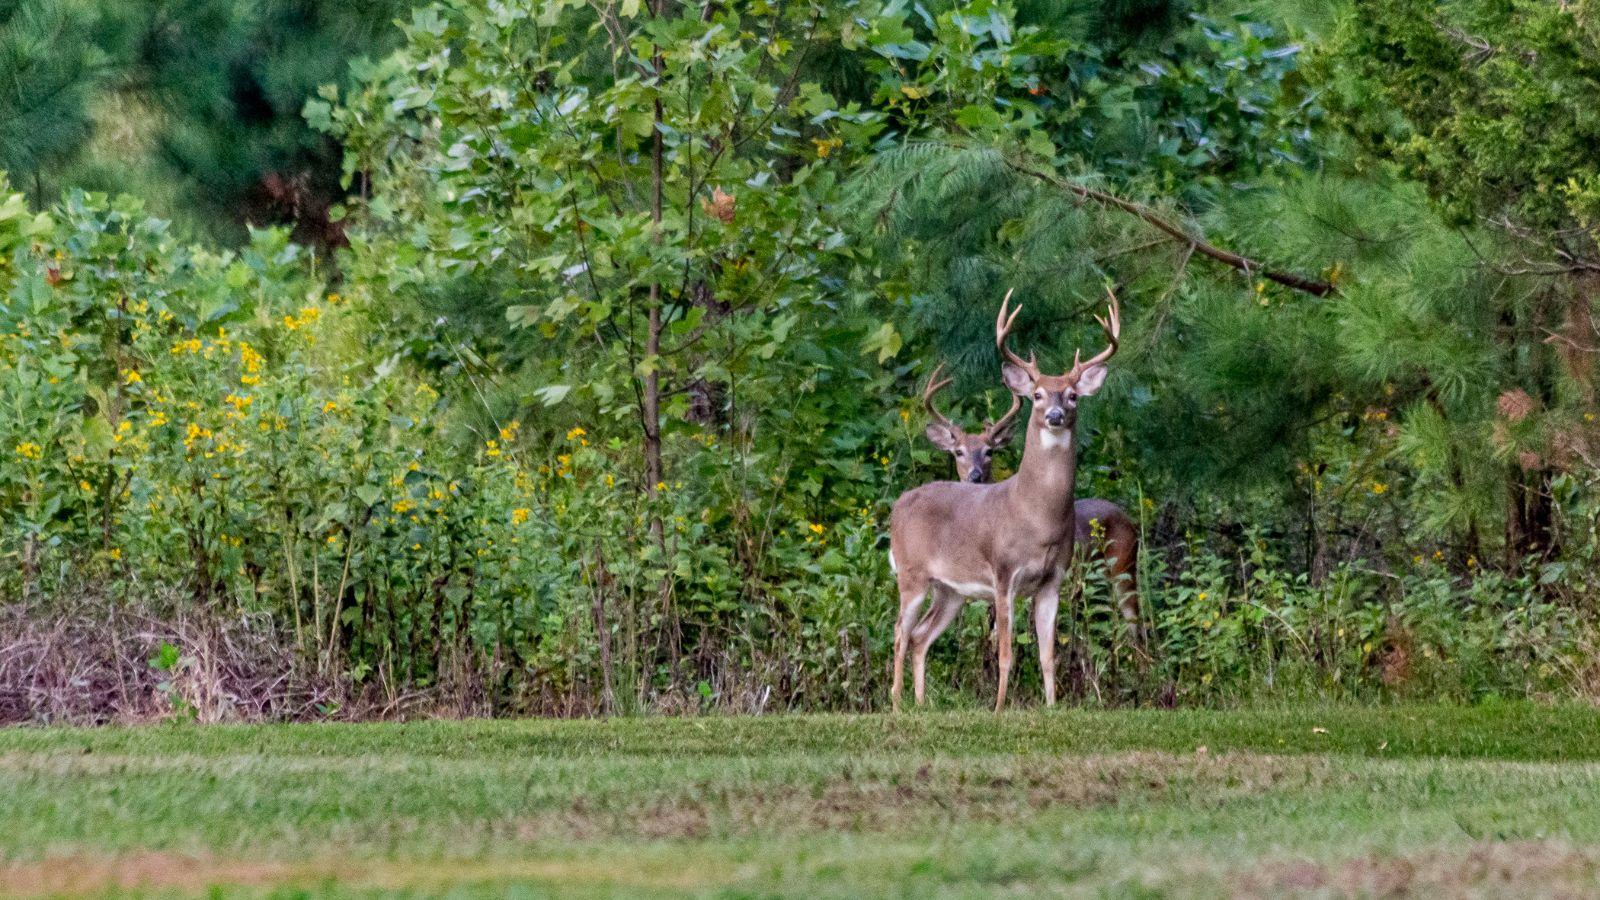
1050,440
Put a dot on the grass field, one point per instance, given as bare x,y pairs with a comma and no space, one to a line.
1495,800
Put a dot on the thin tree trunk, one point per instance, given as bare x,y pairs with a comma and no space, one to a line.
600,584
655,473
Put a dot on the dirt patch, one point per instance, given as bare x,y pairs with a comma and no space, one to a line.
1499,869
872,797
193,874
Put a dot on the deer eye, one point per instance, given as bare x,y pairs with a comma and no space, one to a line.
1038,395
1072,396
960,452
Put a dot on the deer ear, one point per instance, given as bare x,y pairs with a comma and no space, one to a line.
1017,379
941,437
1090,380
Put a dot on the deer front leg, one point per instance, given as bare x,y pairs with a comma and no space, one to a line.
1004,603
942,611
1045,604
910,601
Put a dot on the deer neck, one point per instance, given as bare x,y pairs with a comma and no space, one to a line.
1047,476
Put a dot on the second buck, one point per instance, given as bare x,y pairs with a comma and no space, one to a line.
1099,526
1008,540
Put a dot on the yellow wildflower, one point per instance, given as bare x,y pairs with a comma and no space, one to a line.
132,377
575,433
826,147
519,515
817,528
29,450
1379,487
330,406
85,486
491,447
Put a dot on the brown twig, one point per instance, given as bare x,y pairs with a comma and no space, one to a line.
1197,243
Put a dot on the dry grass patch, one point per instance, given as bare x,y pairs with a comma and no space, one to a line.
183,873
1486,869
871,797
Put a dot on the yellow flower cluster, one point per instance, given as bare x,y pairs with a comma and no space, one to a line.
240,406
29,450
308,315
250,361
193,434
519,515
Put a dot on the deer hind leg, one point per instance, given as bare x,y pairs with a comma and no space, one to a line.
1045,604
942,611
1004,603
1122,570
912,593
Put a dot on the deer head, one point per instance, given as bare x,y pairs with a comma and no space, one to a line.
1055,397
974,453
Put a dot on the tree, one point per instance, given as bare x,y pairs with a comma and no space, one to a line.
648,196
51,66
1488,105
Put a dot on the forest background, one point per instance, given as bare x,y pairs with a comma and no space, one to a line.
504,357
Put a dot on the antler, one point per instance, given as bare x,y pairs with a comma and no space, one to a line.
994,428
1002,329
934,387
1113,327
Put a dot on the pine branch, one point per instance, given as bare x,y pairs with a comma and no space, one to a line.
1198,244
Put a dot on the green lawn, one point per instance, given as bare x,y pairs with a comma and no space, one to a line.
1485,800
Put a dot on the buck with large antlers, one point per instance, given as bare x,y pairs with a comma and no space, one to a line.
957,539
1101,526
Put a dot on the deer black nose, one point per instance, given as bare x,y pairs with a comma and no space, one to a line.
977,475
1055,418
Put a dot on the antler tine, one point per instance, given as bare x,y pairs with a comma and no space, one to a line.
1112,325
935,386
1002,330
999,425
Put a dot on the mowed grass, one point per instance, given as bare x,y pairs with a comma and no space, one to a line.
1499,800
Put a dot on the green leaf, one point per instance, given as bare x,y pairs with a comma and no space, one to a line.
886,341
551,394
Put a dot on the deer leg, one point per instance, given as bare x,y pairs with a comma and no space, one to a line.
911,597
942,611
1004,603
1045,604
1122,558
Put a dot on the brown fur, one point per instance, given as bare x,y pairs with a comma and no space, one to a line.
1005,541
1117,544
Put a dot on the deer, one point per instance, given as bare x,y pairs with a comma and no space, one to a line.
1003,540
1101,526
